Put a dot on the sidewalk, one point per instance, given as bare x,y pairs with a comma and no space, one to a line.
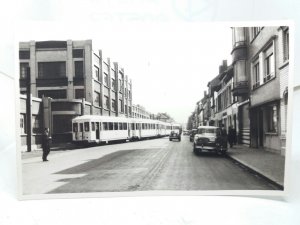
55,148
267,164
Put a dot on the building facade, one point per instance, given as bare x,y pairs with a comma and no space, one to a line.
77,79
265,62
251,94
139,111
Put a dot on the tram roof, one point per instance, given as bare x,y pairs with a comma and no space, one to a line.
116,119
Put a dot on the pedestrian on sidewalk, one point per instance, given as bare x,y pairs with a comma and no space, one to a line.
46,144
231,136
223,136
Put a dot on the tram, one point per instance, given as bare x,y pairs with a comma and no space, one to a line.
103,129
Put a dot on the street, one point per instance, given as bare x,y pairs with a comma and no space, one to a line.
157,164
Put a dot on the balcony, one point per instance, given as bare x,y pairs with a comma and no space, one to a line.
240,88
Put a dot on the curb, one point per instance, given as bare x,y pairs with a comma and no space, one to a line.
257,172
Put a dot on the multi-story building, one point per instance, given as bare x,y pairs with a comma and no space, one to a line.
139,111
77,78
265,66
225,103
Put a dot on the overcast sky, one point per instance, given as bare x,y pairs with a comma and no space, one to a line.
170,64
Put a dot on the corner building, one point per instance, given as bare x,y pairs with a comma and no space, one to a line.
77,78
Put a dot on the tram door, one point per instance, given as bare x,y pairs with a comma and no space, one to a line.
128,129
97,131
80,133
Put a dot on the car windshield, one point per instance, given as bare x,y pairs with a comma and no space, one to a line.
207,131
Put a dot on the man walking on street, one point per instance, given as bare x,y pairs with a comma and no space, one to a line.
46,144
231,136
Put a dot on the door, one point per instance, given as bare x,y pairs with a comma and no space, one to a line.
80,133
98,131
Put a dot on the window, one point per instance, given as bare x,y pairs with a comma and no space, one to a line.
23,70
255,31
106,102
77,53
80,127
286,44
75,127
79,93
124,126
121,105
93,126
105,126
272,122
55,94
97,100
78,68
256,78
110,126
115,126
36,124
120,85
97,74
106,79
120,126
24,54
269,64
113,84
51,69
86,126
113,105
105,68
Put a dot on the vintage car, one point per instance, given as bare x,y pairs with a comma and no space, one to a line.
210,138
192,134
175,135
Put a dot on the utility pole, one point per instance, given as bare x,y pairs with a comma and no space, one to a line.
28,108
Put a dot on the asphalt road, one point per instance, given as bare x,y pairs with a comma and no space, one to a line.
156,164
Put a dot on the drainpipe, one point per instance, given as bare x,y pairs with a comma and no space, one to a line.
28,109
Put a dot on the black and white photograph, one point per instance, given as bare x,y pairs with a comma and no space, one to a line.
141,112
176,108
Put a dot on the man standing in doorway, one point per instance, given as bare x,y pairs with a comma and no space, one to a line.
46,144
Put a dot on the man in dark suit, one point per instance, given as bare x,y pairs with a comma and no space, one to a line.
46,144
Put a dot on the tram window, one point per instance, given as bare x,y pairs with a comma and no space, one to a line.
75,127
110,126
124,126
115,126
137,126
105,126
86,126
80,127
93,126
120,126
132,126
